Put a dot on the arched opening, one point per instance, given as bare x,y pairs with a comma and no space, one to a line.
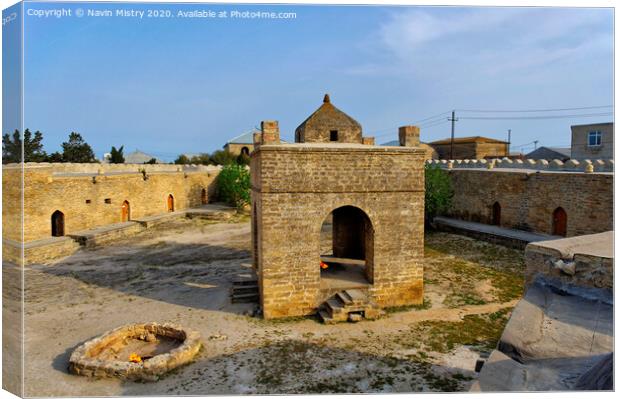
170,203
203,197
58,224
559,223
347,249
125,211
497,214
245,151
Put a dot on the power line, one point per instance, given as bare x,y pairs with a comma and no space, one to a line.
537,110
536,117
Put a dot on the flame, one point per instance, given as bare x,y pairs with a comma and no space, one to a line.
323,265
135,358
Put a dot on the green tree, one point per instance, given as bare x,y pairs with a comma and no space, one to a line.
116,156
243,159
182,160
223,157
438,192
77,150
54,157
233,185
201,159
151,161
32,147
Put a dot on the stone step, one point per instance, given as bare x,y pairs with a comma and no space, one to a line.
245,289
325,317
357,297
334,307
244,298
245,281
344,298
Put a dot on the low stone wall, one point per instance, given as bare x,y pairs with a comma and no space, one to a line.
585,261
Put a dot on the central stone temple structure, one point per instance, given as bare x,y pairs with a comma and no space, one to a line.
373,198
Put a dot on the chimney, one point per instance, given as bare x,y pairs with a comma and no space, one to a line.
270,132
409,136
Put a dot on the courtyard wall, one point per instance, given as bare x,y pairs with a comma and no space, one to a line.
528,198
91,195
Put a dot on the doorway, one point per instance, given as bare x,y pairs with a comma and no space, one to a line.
346,249
497,214
170,203
125,211
559,223
58,224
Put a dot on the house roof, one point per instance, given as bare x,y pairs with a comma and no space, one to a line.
594,124
139,157
549,153
328,114
468,140
245,138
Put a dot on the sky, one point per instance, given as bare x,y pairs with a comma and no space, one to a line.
176,85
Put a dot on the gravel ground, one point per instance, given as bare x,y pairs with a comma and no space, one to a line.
181,272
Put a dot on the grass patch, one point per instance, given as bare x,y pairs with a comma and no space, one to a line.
481,331
404,308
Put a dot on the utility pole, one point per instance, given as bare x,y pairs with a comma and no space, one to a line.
535,144
509,131
453,119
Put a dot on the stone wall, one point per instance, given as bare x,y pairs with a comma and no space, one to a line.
91,195
585,261
528,198
294,189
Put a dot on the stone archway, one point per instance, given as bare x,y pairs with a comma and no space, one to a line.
347,248
58,224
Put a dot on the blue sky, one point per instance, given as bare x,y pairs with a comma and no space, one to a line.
173,85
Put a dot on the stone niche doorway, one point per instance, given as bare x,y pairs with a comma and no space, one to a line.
347,249
58,224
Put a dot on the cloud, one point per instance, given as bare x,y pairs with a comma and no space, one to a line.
485,40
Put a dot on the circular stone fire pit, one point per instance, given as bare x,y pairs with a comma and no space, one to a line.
136,352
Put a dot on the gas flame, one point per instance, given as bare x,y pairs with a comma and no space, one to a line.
135,358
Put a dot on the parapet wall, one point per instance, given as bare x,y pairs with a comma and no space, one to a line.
92,195
572,165
527,199
104,168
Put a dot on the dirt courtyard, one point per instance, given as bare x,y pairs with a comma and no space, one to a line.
181,272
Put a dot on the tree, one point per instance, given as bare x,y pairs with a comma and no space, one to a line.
201,159
116,156
243,159
77,150
233,185
182,160
151,161
32,147
223,157
54,157
438,192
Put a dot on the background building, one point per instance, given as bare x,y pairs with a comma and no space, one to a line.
550,153
593,141
243,143
476,147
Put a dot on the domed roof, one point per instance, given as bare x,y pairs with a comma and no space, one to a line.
327,115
